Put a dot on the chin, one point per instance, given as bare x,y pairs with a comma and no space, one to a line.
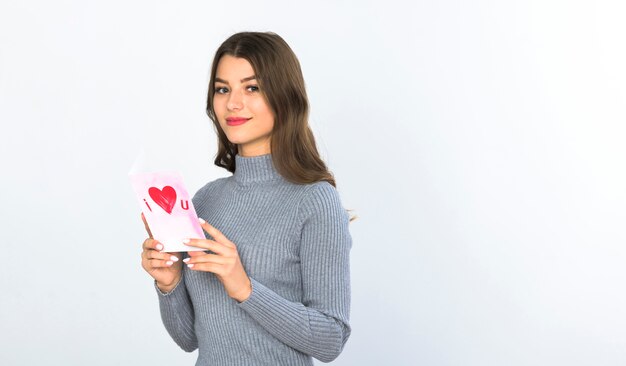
235,140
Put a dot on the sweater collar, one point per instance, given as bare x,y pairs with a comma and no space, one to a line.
255,169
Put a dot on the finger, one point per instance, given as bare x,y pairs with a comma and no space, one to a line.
164,256
216,234
157,263
206,267
196,253
152,244
211,245
145,224
207,258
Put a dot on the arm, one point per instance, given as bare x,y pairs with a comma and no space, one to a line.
178,316
319,325
176,309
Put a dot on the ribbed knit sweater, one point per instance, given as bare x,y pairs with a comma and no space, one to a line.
294,244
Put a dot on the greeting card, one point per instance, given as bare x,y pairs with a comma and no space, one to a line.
168,209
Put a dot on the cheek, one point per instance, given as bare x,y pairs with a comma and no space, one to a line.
264,110
219,107
217,102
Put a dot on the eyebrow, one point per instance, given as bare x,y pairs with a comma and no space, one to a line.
218,80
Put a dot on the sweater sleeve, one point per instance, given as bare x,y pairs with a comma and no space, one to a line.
178,316
318,326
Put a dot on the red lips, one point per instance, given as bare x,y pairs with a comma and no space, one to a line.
236,121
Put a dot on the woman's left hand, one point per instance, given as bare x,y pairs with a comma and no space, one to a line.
224,262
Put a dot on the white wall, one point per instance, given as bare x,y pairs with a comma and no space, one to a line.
481,143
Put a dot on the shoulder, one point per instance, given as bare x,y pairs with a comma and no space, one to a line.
210,188
321,198
320,190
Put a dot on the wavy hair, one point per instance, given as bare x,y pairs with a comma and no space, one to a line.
278,72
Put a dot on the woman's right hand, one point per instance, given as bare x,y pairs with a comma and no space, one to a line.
164,267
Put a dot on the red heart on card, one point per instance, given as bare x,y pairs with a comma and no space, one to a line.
166,198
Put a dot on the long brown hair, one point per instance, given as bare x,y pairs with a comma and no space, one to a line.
278,72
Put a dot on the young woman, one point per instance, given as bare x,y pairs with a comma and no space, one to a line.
272,286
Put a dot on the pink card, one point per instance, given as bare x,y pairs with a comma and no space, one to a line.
168,209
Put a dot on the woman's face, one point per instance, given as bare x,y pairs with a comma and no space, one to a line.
241,108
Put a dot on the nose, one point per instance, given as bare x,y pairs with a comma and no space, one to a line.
235,101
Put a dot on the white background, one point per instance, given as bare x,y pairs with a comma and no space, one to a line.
481,144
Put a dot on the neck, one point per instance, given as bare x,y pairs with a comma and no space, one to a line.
251,169
249,150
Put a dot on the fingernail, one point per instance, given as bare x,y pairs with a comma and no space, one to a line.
159,246
190,265
201,220
186,260
169,263
174,258
185,241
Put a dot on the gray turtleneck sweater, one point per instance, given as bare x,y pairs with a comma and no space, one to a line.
294,244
